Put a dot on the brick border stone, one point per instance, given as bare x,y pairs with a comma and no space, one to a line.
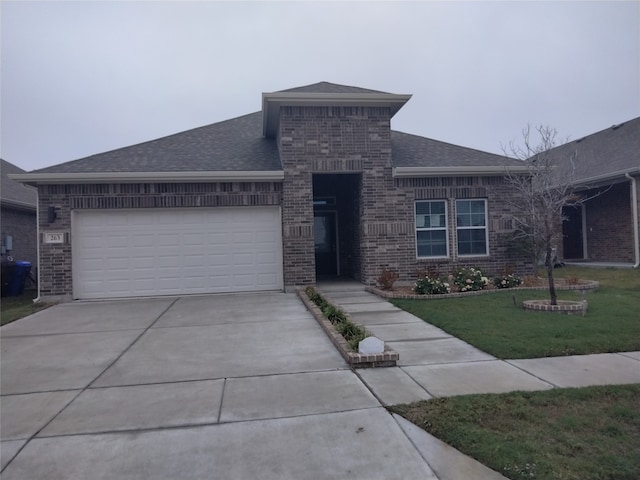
583,286
388,358
563,306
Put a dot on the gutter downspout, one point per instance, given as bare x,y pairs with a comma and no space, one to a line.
634,209
37,299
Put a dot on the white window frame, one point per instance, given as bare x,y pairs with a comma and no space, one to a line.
445,228
473,227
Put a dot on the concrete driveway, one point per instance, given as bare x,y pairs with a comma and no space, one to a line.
225,386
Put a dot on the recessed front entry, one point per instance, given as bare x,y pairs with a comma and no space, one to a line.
326,244
572,233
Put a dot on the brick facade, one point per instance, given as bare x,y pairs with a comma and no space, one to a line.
500,224
326,151
55,259
324,141
609,222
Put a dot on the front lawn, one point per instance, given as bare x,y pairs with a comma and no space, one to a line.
495,325
569,434
13,308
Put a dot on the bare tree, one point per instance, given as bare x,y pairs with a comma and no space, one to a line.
541,195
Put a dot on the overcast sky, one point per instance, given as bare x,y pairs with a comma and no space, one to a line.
80,78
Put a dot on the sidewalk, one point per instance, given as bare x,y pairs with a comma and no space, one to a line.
435,364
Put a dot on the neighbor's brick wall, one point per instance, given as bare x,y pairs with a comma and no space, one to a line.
609,225
21,224
55,259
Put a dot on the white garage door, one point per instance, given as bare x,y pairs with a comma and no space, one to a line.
129,253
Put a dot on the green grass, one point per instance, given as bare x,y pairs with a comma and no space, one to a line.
13,308
570,434
495,325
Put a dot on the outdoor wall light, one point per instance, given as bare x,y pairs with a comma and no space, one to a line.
52,214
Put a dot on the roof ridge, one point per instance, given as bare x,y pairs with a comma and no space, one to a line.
329,87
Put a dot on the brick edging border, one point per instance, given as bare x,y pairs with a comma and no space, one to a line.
586,286
563,306
356,360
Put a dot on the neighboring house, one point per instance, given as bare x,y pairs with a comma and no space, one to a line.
606,172
18,219
316,184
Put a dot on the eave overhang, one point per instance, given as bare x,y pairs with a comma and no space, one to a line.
607,179
149,177
482,171
271,103
17,205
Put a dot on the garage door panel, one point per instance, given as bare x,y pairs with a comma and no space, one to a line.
180,251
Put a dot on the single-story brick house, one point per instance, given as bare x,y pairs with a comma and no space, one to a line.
606,172
316,184
17,216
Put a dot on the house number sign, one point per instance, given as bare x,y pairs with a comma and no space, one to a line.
54,237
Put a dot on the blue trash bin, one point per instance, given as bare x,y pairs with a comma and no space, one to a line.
20,274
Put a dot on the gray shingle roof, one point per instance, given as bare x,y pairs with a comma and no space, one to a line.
415,151
231,145
326,87
610,151
238,145
15,193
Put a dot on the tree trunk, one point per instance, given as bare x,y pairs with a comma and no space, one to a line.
552,287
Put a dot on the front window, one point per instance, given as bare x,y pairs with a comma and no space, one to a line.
431,228
471,223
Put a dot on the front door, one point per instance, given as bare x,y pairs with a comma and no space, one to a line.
326,247
572,233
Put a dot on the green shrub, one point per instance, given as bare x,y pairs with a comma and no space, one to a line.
333,314
431,286
507,281
351,332
469,279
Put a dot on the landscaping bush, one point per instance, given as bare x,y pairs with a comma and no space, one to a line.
507,281
387,278
333,314
431,286
469,279
351,332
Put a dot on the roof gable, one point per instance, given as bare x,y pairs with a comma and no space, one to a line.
324,94
326,87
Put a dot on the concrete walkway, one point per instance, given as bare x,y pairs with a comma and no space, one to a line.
235,387
436,364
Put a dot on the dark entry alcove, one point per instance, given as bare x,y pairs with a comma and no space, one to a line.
336,212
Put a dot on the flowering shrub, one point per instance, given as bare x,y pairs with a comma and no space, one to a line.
468,279
507,281
431,286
